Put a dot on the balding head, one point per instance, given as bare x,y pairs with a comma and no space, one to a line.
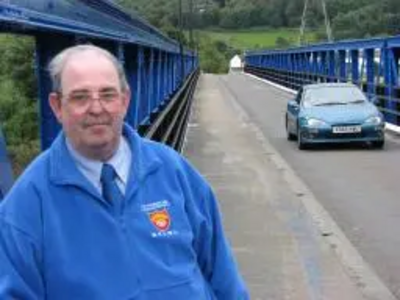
58,63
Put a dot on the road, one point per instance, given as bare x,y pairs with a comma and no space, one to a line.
359,187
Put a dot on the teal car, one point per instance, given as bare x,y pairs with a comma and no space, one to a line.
333,113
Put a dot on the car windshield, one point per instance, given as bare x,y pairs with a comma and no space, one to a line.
333,95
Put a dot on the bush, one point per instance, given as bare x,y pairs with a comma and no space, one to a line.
212,56
18,103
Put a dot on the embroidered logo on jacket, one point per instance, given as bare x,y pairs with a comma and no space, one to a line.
160,219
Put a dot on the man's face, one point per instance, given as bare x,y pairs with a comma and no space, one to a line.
91,106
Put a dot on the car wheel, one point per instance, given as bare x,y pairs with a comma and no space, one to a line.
290,136
378,144
300,144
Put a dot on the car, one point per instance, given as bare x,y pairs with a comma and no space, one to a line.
333,113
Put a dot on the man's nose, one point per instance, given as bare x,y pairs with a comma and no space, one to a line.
96,105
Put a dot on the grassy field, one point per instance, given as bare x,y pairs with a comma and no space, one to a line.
256,38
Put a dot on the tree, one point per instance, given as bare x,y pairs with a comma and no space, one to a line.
281,42
18,102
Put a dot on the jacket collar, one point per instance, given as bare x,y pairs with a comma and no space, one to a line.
63,170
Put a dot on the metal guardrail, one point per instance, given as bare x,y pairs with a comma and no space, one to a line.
169,126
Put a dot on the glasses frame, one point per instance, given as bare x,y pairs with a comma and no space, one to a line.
107,98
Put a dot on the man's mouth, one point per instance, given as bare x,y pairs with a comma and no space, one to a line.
96,125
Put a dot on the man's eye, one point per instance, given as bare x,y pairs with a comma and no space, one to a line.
108,96
80,97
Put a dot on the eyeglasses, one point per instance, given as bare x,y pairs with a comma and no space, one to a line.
84,99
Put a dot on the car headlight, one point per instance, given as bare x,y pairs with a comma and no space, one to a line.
315,123
374,120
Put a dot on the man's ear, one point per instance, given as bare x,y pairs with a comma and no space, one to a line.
127,97
55,104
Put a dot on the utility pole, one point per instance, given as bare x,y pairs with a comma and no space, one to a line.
328,29
189,23
303,23
327,23
181,39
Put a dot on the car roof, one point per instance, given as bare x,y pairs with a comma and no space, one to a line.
329,84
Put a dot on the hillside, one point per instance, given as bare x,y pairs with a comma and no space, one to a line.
349,19
257,38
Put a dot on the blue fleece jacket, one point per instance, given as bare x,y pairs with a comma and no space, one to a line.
59,239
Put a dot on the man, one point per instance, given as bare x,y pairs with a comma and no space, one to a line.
105,214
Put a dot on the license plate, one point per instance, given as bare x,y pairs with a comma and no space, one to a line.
346,129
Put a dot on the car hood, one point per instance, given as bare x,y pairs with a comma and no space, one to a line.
354,113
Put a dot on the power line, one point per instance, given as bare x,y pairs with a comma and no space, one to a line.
328,28
327,23
303,23
181,38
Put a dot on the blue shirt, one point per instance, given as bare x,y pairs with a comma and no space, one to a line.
121,161
59,239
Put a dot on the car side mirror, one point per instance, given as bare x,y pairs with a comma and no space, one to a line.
293,104
375,100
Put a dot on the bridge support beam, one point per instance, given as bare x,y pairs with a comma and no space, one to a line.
47,46
331,66
355,73
6,174
390,103
370,69
342,66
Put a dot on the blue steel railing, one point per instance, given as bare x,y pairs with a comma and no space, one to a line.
373,64
5,168
156,66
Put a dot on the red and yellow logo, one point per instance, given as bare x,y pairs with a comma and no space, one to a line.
160,219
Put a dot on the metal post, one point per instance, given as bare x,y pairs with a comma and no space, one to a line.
369,54
355,72
342,66
139,83
190,24
182,64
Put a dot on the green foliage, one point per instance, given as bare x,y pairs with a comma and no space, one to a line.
17,54
281,42
213,56
370,17
22,154
260,37
18,105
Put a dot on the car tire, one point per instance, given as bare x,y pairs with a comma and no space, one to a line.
300,144
290,136
378,144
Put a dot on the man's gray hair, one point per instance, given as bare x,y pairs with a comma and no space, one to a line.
58,63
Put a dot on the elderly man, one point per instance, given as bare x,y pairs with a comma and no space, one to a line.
106,214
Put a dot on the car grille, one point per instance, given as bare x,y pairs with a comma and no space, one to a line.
345,135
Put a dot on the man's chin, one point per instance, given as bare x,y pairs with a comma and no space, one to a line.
100,149
99,129
98,143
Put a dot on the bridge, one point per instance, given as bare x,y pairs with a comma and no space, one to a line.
304,225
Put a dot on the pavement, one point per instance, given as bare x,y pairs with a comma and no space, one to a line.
287,246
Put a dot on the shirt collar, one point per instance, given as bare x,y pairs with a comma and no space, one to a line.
121,161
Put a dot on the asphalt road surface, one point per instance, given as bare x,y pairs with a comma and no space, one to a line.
358,186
